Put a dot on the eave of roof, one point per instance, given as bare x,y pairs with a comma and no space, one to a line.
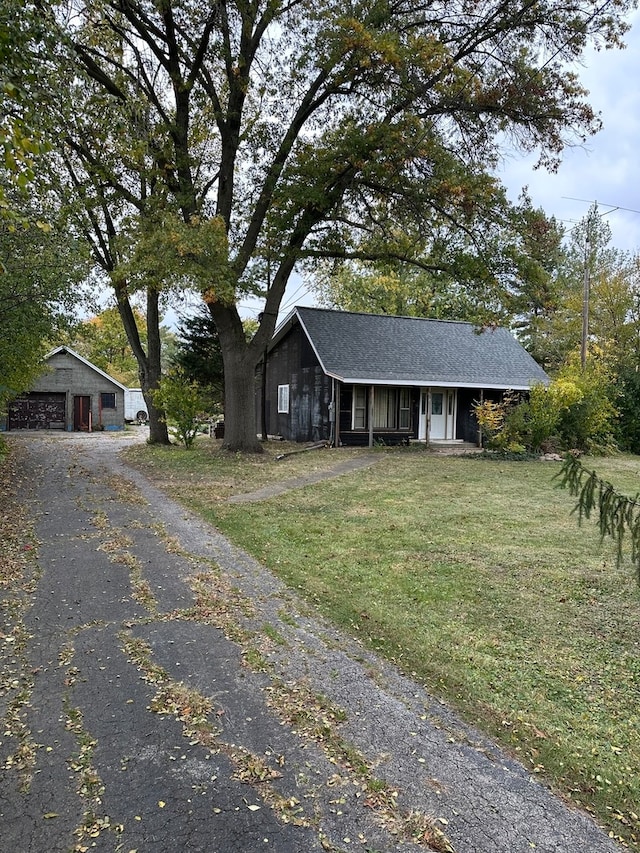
424,383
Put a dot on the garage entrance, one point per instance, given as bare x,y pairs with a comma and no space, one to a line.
38,410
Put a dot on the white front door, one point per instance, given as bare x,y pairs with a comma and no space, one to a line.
438,408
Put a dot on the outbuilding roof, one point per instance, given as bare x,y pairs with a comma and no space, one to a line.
381,349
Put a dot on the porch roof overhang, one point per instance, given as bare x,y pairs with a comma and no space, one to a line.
425,382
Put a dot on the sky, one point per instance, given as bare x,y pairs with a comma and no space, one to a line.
606,169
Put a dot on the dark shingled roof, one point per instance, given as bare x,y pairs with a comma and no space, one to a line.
369,348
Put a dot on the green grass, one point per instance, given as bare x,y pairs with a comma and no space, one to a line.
475,578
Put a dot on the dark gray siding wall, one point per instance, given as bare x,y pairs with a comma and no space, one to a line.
294,363
467,425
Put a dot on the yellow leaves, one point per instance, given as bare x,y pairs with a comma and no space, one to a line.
253,770
490,415
565,392
369,48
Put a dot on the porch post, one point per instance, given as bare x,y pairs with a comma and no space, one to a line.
371,392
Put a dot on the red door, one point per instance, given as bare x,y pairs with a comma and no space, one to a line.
81,413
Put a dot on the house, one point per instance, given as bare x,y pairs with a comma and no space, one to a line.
360,379
71,394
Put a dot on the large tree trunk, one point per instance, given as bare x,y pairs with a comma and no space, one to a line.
158,432
240,359
149,367
240,422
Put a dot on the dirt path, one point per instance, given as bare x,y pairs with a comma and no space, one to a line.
356,463
164,692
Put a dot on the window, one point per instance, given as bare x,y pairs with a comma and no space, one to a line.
283,399
405,408
385,408
107,400
436,403
391,408
359,407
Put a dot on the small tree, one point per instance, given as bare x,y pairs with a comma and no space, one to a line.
183,403
588,423
496,420
539,417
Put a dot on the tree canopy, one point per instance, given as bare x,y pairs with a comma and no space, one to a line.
40,269
219,144
102,340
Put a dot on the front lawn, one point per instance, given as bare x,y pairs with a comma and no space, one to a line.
473,576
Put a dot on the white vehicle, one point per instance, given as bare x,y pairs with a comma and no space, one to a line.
135,407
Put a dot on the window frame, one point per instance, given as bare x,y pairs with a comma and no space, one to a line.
392,401
359,407
283,399
404,408
110,395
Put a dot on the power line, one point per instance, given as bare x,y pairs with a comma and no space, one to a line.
606,213
290,301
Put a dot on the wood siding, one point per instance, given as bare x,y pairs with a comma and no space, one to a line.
467,425
294,363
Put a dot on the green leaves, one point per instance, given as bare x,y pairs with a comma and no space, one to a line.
618,515
163,250
183,403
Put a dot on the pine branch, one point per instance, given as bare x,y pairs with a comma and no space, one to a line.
618,515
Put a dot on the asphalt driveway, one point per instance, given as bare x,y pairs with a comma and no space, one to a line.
164,692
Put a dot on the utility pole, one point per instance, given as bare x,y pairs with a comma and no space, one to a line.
585,303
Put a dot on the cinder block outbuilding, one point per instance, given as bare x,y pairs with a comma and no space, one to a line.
72,394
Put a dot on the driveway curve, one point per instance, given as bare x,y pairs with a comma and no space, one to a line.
162,691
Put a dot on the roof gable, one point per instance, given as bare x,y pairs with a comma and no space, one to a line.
74,354
384,349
